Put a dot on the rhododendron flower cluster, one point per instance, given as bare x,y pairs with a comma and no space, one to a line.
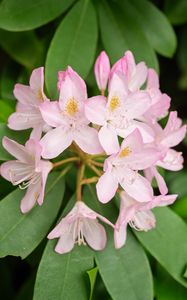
115,139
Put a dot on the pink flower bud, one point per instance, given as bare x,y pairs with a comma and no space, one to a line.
102,70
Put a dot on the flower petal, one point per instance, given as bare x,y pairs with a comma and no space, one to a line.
87,139
24,94
120,235
106,187
95,110
94,234
16,150
51,113
25,120
109,140
30,198
55,142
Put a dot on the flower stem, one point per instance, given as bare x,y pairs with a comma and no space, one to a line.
96,171
89,180
96,163
80,175
65,161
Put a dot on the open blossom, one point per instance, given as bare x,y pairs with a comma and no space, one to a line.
80,226
118,115
165,139
102,70
27,171
67,116
122,168
137,214
135,74
27,113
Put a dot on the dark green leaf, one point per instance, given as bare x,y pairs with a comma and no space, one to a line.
176,11
19,136
168,242
180,207
20,234
74,44
154,24
121,32
92,276
23,15
7,107
11,42
167,288
62,276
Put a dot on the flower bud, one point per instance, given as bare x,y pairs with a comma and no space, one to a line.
102,70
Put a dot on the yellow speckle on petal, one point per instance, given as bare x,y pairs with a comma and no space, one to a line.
40,95
114,103
72,106
125,152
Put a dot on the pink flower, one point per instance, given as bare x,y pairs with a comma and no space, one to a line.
27,171
27,113
160,103
117,115
80,226
122,168
166,138
137,214
67,116
102,70
135,74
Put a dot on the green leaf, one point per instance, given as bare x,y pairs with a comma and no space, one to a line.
74,44
92,276
7,107
121,32
180,207
178,184
125,271
8,78
19,136
152,21
62,276
167,242
11,42
23,15
20,234
167,288
176,11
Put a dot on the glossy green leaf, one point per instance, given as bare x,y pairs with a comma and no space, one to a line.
178,184
74,44
23,15
19,136
152,21
124,271
7,107
180,207
63,275
8,78
176,11
21,233
121,32
168,242
11,42
167,288
92,276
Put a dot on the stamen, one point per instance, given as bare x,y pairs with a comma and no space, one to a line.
72,107
114,103
125,152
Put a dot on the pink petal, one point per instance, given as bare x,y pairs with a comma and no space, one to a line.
21,121
106,187
120,235
37,79
160,181
138,188
55,142
118,86
134,141
51,113
109,140
30,198
94,234
95,110
87,139
152,79
34,149
12,169
24,94
102,70
45,167
138,78
16,150
65,243
162,200
175,137
146,131
172,161
137,103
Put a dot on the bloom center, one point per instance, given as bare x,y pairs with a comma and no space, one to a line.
72,106
125,152
114,103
